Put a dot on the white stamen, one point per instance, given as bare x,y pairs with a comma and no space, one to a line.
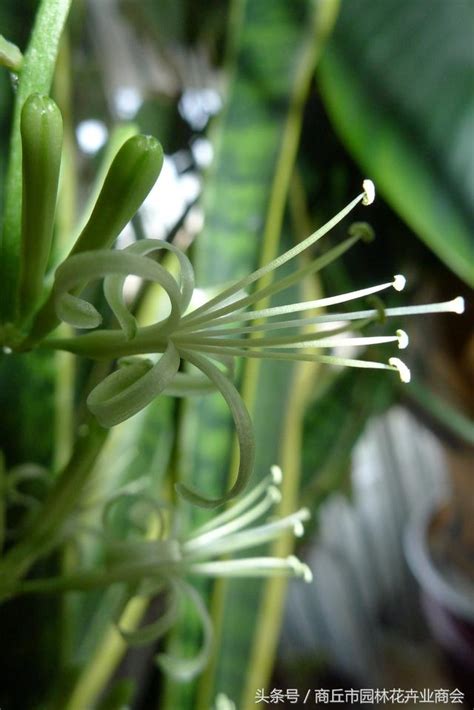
224,534
403,370
251,567
369,192
239,507
300,568
403,339
399,282
243,539
335,342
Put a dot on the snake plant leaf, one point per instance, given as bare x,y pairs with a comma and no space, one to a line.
397,78
274,52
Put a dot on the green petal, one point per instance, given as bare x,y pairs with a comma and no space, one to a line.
156,629
77,312
185,669
79,269
113,285
128,390
244,431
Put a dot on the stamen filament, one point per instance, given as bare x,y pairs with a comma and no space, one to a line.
300,340
303,306
240,505
272,497
252,567
255,536
282,259
300,357
300,323
191,322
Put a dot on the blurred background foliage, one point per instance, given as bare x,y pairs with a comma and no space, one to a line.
270,114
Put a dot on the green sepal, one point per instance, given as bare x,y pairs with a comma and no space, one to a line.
41,136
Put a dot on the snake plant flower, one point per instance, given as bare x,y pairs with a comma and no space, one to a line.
228,326
155,557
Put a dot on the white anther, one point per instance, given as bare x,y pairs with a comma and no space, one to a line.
306,573
294,563
399,282
304,514
298,529
369,192
277,475
403,370
274,494
403,339
458,305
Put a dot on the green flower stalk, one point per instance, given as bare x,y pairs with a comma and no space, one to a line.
210,337
163,559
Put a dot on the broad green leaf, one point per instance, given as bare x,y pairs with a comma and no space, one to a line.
397,79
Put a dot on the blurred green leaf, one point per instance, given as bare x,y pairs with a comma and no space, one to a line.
29,652
397,79
333,423
140,449
275,50
444,414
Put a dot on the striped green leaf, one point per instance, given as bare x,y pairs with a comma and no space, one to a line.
275,49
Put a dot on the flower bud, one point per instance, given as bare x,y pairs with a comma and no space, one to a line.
41,136
130,178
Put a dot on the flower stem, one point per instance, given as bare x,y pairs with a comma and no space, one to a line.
45,530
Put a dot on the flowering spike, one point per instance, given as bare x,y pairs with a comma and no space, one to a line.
240,321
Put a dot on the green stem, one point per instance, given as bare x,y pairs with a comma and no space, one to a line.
86,581
56,510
